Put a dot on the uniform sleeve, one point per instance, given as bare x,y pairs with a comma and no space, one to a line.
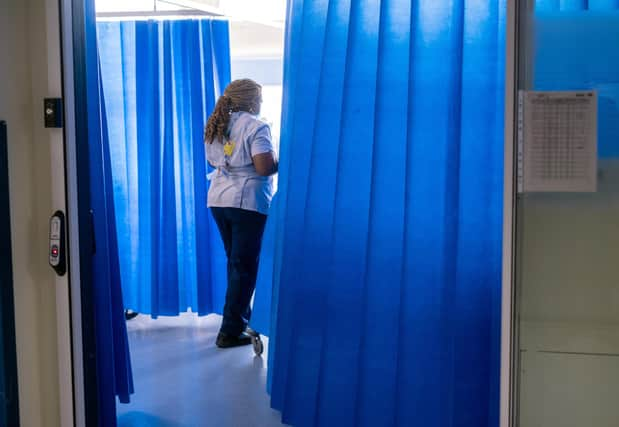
260,142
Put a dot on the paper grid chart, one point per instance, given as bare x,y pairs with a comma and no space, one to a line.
557,141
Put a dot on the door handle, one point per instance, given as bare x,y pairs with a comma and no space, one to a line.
57,246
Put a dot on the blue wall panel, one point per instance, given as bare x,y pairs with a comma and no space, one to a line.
580,51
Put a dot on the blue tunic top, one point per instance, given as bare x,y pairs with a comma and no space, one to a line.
235,182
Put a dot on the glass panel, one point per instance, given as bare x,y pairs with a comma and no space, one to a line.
568,243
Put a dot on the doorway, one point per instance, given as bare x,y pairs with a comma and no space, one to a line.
184,343
413,350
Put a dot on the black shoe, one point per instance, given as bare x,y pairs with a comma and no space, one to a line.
227,341
129,314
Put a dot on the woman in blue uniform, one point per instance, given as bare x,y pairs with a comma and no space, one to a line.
238,146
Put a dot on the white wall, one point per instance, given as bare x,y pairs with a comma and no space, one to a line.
569,284
256,52
24,82
570,254
248,39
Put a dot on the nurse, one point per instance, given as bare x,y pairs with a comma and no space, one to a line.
238,146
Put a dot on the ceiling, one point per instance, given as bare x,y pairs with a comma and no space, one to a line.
256,26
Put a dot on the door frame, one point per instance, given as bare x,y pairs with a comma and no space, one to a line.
508,299
80,236
7,305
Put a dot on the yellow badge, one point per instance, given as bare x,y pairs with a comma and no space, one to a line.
229,148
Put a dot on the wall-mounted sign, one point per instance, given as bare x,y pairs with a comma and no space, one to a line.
557,141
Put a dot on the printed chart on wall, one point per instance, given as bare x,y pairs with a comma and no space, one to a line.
557,141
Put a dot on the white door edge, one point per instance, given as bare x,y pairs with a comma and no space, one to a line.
58,198
72,209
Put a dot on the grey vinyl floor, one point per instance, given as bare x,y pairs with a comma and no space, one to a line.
183,380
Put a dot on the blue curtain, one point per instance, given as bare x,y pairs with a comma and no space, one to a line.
161,80
386,235
114,377
114,362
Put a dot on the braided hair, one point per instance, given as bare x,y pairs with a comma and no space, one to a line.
240,95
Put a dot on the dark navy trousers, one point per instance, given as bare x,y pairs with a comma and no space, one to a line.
241,232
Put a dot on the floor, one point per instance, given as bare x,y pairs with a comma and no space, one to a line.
183,380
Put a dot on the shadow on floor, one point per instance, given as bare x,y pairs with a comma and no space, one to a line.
141,419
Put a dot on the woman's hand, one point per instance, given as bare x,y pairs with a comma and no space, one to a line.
266,164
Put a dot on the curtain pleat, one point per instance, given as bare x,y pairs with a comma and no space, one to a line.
161,80
114,372
386,232
113,364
